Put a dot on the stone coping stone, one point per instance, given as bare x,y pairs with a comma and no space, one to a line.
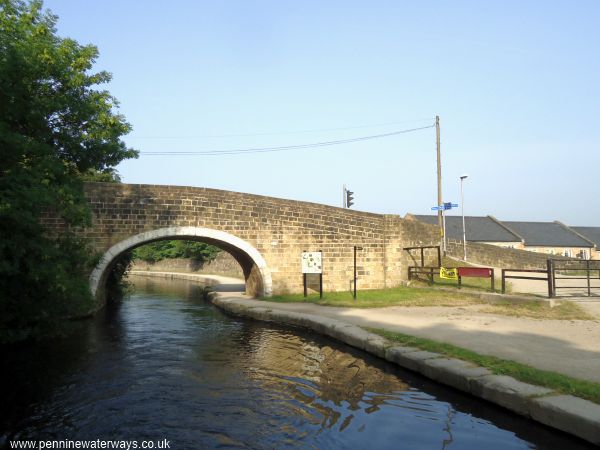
508,392
392,352
564,412
454,372
351,334
571,414
409,357
377,345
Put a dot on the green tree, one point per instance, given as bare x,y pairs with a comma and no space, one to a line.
105,176
56,128
157,251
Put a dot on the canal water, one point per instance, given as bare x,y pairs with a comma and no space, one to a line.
166,364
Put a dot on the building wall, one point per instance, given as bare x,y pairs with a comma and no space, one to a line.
569,252
518,244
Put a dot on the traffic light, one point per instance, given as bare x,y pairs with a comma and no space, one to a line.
349,198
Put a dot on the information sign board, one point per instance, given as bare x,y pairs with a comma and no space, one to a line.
312,262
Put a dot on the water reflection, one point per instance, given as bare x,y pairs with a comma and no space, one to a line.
166,364
326,382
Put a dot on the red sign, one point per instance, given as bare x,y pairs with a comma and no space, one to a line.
481,272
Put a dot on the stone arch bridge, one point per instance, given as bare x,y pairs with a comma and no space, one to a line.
265,235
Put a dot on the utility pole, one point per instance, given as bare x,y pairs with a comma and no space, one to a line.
439,182
462,204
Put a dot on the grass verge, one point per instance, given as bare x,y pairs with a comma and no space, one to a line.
562,310
552,380
412,296
400,296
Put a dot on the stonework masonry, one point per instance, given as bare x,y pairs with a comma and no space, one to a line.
224,264
279,230
494,256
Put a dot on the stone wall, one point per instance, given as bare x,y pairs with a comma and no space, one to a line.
493,256
279,230
223,264
419,234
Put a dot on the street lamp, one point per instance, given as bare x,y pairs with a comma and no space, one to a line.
462,204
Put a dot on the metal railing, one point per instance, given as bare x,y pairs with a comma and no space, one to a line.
548,278
415,271
554,269
586,268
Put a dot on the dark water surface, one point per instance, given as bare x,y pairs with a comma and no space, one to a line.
164,364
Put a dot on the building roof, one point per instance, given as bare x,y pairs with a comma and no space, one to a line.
477,228
591,233
534,234
546,234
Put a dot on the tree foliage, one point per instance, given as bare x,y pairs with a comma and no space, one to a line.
157,251
56,128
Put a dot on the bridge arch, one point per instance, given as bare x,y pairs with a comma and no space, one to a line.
254,266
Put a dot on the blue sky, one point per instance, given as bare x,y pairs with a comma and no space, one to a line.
515,84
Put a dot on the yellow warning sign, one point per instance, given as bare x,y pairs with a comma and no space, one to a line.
448,274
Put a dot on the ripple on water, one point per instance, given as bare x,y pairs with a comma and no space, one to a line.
166,364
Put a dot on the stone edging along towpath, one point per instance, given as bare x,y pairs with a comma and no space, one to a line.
564,412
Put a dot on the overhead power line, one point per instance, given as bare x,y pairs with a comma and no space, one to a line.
318,130
283,147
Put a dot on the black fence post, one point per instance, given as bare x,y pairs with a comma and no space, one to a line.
304,280
504,281
587,266
551,281
493,282
355,248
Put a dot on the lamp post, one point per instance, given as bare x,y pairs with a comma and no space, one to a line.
462,204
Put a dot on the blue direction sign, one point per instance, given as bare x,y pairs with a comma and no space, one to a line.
450,205
445,206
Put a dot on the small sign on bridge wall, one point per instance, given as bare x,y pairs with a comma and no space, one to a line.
312,262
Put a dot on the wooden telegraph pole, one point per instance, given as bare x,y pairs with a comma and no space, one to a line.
440,202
